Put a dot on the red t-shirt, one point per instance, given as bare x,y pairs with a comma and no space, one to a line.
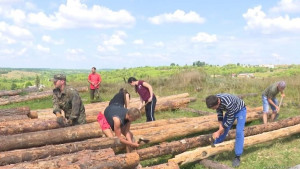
96,78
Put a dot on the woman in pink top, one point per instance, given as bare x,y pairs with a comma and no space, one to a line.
146,95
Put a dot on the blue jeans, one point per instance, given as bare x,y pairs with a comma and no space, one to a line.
266,104
239,138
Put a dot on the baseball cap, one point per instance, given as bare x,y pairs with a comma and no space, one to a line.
59,77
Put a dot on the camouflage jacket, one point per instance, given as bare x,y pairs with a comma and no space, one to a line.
69,101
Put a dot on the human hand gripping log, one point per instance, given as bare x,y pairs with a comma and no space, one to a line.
277,114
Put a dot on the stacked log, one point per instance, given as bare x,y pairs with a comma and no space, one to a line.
10,92
67,159
77,133
204,152
33,96
16,114
31,154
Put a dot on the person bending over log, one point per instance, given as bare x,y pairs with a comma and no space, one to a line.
118,118
67,99
235,109
146,95
269,98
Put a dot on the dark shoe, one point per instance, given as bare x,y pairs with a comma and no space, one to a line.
276,116
236,162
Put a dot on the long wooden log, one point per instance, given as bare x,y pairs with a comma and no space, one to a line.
213,165
31,154
67,160
204,152
183,145
55,136
13,118
10,92
15,111
170,165
124,161
33,96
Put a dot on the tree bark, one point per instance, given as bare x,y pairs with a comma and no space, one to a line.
13,118
170,165
33,96
31,154
86,156
15,111
55,136
213,165
204,152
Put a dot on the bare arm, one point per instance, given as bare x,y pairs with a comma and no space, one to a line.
127,100
147,85
118,133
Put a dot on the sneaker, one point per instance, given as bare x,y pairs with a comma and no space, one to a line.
236,161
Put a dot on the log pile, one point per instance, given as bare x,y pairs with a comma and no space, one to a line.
74,147
32,96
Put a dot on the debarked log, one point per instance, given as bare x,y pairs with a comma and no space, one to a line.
204,152
170,165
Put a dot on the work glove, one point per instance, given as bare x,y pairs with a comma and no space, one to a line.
70,122
60,120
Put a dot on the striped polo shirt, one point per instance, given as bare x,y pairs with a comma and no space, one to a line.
232,105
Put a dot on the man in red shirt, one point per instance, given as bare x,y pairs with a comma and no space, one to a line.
94,80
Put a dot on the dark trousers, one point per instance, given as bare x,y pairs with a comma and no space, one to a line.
94,92
149,109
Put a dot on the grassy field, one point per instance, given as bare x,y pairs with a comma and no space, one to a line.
281,153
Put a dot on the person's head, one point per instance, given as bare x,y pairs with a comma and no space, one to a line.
281,85
123,90
212,102
59,80
93,69
133,114
132,81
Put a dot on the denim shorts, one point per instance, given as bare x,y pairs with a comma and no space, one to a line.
266,104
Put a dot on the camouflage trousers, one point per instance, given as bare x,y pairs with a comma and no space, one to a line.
93,93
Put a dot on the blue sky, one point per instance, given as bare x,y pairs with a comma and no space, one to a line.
80,34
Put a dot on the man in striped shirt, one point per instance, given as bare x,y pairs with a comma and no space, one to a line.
235,109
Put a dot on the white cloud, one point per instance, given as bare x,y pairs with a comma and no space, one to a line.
75,14
116,39
14,31
17,15
159,44
258,20
42,48
75,54
178,16
138,41
290,6
204,38
48,39
277,56
12,53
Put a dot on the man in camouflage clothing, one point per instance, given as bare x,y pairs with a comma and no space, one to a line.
67,99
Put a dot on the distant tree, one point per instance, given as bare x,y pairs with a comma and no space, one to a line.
13,86
37,81
238,64
199,63
28,84
172,64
